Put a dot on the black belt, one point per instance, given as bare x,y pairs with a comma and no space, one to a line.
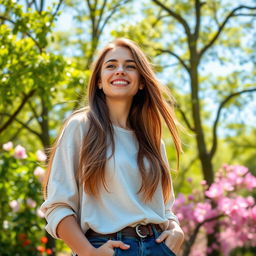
139,231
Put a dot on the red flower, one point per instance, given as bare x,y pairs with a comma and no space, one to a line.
40,248
22,236
49,251
44,239
26,242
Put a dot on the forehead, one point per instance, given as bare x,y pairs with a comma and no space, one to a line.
119,53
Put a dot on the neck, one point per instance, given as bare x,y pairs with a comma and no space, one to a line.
118,112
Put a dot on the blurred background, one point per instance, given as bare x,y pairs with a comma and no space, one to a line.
203,51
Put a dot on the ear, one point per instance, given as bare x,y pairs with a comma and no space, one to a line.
141,86
100,84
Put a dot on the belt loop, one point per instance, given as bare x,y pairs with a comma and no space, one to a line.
154,230
119,235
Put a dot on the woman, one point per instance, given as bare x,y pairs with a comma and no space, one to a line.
108,190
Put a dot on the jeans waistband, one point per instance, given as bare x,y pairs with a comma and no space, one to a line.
139,231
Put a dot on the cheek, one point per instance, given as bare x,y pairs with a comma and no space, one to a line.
105,75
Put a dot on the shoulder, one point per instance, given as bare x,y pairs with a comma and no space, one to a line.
75,126
77,120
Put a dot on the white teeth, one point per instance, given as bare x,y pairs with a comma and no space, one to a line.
120,82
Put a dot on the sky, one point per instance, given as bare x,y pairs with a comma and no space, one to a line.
248,115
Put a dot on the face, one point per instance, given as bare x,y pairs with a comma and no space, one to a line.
119,77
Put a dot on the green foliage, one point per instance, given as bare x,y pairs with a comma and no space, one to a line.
22,227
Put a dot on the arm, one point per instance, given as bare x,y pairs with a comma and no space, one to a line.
69,231
62,204
62,189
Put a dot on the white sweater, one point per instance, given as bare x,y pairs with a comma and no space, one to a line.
116,208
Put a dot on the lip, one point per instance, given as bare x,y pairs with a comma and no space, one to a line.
119,79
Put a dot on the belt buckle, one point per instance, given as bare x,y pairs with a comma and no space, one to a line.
137,229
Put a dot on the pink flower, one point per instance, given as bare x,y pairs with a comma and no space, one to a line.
233,178
226,185
8,146
20,152
201,211
189,179
39,213
225,204
39,173
203,182
250,200
14,204
240,170
191,197
180,199
250,181
31,203
41,156
214,191
253,213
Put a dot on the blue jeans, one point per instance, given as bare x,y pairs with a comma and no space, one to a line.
138,246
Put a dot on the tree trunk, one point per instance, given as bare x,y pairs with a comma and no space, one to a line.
204,156
45,138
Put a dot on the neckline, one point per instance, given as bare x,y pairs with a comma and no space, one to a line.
122,129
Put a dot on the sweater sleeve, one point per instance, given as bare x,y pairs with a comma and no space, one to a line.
62,189
168,206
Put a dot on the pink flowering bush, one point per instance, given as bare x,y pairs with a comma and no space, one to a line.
226,206
21,221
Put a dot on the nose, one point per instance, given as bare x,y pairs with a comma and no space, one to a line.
120,70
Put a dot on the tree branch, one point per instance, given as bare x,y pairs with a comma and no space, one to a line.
221,27
13,116
185,118
26,32
41,6
25,125
35,4
215,125
245,14
92,17
175,15
198,6
57,9
159,17
176,56
101,13
111,14
34,111
192,238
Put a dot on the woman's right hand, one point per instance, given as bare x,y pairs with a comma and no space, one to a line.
107,249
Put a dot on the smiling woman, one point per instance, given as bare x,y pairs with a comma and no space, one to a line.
120,81
108,190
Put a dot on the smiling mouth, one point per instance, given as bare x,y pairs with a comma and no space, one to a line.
120,83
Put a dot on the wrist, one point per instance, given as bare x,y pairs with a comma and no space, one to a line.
89,251
173,224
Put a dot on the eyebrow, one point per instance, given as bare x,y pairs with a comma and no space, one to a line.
114,60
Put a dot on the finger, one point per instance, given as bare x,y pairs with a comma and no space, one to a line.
162,237
171,243
119,244
174,244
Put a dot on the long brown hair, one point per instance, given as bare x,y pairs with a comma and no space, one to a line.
147,108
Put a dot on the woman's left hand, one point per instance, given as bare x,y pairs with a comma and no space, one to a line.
173,236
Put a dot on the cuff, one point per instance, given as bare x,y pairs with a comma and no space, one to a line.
172,216
54,218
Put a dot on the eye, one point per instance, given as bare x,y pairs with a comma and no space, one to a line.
131,66
110,66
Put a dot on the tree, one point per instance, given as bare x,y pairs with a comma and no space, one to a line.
197,49
193,33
